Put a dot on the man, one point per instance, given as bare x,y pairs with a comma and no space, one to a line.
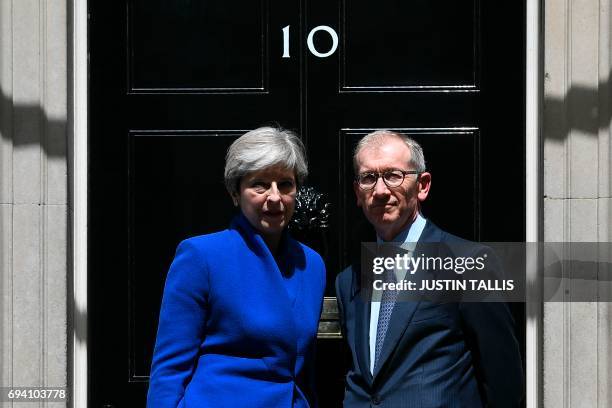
418,354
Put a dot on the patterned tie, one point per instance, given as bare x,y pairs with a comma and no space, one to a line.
387,302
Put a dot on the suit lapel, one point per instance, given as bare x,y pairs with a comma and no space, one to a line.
400,318
404,310
362,336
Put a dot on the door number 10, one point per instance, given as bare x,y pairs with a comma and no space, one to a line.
309,41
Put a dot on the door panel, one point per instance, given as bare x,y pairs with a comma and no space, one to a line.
409,45
183,46
174,83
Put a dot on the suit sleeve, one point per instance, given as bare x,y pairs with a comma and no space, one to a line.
497,358
491,334
181,328
339,299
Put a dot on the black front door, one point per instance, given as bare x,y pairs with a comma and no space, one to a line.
173,83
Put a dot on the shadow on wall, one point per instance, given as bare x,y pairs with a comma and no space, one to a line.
29,125
24,129
22,126
583,109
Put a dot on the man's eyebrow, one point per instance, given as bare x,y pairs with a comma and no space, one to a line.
383,170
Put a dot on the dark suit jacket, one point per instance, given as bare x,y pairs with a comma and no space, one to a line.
435,354
231,333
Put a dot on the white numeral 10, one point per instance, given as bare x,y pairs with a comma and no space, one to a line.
310,42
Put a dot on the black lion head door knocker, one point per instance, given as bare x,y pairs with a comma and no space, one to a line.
310,222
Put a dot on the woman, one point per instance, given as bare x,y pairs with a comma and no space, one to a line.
241,307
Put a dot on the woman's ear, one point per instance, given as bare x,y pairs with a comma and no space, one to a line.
234,196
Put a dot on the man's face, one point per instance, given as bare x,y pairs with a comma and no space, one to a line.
390,210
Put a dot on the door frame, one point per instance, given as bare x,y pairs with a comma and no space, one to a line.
78,109
78,182
534,205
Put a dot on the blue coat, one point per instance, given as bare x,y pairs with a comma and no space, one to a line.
233,330
435,355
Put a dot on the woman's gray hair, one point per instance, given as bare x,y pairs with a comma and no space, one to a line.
261,148
377,138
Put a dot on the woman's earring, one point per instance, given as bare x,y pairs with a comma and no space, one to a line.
235,200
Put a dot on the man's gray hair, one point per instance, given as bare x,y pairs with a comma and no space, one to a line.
261,148
378,138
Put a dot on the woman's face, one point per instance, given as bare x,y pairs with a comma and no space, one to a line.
267,199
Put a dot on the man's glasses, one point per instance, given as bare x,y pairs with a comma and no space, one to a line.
392,178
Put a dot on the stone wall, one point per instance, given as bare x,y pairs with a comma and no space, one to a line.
577,186
33,194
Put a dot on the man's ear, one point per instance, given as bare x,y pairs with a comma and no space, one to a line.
357,190
423,185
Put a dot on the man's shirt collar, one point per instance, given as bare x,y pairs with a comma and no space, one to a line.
410,235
